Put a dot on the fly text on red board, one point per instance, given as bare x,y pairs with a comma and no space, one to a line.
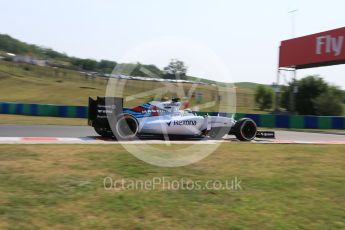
328,44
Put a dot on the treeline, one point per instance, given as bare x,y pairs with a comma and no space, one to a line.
312,95
173,69
12,45
308,96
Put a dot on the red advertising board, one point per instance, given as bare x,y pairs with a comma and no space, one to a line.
321,49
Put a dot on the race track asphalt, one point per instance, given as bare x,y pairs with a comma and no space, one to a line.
86,131
46,131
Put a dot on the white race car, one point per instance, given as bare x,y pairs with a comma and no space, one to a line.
159,119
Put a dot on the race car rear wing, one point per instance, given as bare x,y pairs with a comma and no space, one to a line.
103,108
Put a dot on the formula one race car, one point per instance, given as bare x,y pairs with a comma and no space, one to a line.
157,118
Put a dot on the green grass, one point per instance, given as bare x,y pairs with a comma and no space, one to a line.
283,187
34,84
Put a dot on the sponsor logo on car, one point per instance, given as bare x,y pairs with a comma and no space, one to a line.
106,106
170,105
153,111
182,122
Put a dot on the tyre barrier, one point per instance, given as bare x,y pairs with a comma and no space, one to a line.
262,120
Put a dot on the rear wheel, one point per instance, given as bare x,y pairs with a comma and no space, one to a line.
104,132
245,129
126,127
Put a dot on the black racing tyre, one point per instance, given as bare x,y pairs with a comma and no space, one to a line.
104,132
245,129
127,127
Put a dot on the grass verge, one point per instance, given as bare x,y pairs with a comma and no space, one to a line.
283,187
35,84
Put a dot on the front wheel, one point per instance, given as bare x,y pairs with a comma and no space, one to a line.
245,129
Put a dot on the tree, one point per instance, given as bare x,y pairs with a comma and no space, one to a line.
106,66
264,97
175,70
89,64
314,97
309,88
85,64
329,103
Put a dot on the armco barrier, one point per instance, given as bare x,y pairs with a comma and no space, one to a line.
262,120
